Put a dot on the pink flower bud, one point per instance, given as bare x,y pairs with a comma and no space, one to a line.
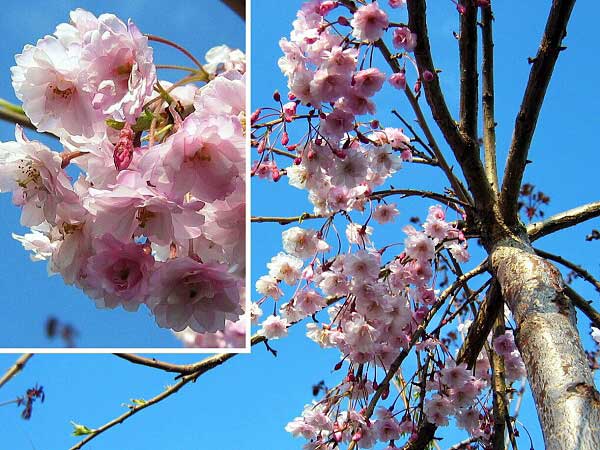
123,152
428,76
275,174
255,115
261,146
285,139
326,7
277,96
417,87
289,110
297,161
357,436
343,21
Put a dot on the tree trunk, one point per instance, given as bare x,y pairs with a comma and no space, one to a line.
562,383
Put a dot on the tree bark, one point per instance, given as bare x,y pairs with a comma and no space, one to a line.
562,383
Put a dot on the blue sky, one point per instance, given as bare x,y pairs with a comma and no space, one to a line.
28,295
245,404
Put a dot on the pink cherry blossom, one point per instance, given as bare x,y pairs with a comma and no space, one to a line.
118,67
274,327
303,243
367,82
398,80
187,293
385,213
47,80
34,175
404,38
119,273
286,268
369,22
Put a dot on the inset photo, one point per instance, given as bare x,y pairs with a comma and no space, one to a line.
122,176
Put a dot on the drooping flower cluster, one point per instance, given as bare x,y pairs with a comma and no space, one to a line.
381,302
157,214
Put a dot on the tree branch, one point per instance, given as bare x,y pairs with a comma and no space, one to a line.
574,267
135,409
449,201
526,121
286,220
464,147
15,368
489,121
467,44
13,117
500,408
237,6
563,220
584,306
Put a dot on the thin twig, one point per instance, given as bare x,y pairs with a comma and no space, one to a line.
584,306
574,267
15,368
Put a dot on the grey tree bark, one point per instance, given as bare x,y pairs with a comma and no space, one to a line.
561,381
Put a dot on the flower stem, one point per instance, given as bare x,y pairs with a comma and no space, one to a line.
152,37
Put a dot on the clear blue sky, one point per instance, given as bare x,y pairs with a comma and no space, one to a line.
28,295
245,404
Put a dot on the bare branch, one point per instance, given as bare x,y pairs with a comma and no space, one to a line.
464,147
574,267
451,202
489,121
563,220
500,408
237,6
467,44
526,121
286,220
584,306
135,409
15,368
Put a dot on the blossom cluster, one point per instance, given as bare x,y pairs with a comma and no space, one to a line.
156,215
379,300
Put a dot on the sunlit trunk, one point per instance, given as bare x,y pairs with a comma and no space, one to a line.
567,402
